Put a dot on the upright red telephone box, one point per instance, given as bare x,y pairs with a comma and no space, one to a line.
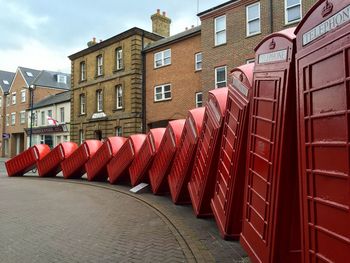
96,167
73,167
181,169
119,165
323,77
227,201
139,168
162,161
27,160
202,182
271,225
50,165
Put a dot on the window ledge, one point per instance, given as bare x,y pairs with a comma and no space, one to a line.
119,109
197,70
162,66
99,76
118,70
220,45
291,23
253,35
163,100
82,81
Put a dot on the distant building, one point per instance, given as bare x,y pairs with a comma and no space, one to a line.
231,31
173,77
51,120
6,79
18,100
107,85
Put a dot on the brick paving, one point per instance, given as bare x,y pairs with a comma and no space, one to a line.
56,220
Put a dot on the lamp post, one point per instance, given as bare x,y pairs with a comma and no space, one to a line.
31,90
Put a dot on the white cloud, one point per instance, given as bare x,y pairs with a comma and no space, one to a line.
34,54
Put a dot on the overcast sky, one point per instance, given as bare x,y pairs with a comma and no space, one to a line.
40,34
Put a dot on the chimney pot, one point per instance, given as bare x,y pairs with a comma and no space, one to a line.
186,28
192,26
158,11
164,13
94,39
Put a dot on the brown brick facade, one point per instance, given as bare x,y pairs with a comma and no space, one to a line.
238,48
180,74
129,117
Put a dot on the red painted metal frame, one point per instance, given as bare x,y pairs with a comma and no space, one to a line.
142,162
227,201
96,166
119,165
73,167
50,165
202,182
181,169
323,102
163,160
27,160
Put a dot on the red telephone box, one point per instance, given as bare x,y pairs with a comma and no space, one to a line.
227,201
271,228
118,166
96,167
323,101
202,181
50,165
181,169
26,161
74,166
162,161
142,162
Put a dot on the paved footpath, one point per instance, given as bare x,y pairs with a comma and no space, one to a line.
57,220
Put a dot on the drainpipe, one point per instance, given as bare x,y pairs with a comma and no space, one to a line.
271,16
143,113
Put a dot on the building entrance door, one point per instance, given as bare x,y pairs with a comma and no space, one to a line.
98,135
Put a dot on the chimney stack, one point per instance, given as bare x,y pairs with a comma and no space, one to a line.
91,42
161,24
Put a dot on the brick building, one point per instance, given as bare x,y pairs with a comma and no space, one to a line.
17,101
6,79
173,77
107,86
51,122
231,31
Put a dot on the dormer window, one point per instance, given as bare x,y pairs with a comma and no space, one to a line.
62,79
29,74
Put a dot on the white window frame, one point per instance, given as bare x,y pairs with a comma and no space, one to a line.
82,102
99,100
43,116
13,118
119,97
119,58
198,62
216,77
163,59
8,100
216,31
118,131
23,95
286,22
199,101
256,18
162,92
251,60
82,71
99,65
0,101
7,119
22,117
61,79
62,114
13,98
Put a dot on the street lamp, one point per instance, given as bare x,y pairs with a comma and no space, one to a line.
31,91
